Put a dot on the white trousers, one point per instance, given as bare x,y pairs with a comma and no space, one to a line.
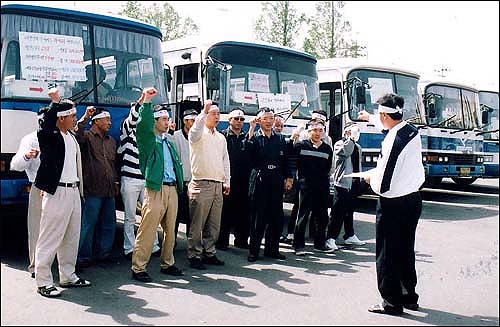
59,234
132,190
34,214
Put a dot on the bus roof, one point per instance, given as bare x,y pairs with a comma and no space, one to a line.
195,42
425,84
346,65
108,20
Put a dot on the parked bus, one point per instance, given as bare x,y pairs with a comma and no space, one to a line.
454,148
350,85
249,75
94,59
488,101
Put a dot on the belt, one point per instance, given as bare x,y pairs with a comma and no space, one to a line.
269,167
169,183
74,184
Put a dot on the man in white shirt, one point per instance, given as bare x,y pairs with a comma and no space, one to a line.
210,171
397,178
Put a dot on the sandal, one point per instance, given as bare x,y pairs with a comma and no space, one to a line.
49,291
78,283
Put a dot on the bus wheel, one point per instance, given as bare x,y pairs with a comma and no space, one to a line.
432,182
464,180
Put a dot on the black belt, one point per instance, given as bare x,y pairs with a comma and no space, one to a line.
268,167
169,183
74,184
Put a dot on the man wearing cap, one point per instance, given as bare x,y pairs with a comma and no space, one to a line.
397,178
101,186
162,171
59,177
313,171
347,160
235,208
210,169
132,181
270,172
181,142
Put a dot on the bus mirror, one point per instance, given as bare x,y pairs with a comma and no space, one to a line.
484,117
360,94
213,77
168,78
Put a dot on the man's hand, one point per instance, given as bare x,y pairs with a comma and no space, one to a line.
226,188
33,153
207,105
363,115
54,95
172,126
89,112
148,94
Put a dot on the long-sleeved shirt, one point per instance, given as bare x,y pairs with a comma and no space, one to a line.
343,162
313,164
20,163
128,145
181,143
399,169
98,162
208,153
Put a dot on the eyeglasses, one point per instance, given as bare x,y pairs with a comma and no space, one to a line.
239,118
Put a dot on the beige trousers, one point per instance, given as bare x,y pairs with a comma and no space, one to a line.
159,207
205,208
34,216
59,234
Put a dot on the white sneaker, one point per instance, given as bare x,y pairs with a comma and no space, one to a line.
300,252
354,240
330,243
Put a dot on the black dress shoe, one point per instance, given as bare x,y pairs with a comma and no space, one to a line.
172,270
411,306
252,258
141,276
197,264
388,310
222,247
241,245
33,275
213,260
278,256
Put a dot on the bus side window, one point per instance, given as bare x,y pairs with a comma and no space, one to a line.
12,61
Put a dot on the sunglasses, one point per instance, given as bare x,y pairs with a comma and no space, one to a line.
239,118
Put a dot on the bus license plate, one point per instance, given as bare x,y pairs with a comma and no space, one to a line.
464,172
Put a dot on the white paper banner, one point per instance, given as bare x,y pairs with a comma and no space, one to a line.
379,87
258,82
51,57
277,102
297,91
244,97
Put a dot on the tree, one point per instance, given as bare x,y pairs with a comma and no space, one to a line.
171,25
329,33
278,23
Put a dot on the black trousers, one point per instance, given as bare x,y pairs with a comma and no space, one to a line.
342,213
235,214
397,220
313,202
183,210
266,212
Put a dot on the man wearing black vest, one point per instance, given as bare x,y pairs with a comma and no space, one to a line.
397,178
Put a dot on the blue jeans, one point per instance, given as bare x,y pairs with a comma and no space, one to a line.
99,216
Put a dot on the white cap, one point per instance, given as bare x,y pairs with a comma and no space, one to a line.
236,113
389,110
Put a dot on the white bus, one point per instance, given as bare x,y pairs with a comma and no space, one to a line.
489,104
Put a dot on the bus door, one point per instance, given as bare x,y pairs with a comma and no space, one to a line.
331,101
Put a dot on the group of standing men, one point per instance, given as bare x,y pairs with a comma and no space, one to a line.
214,181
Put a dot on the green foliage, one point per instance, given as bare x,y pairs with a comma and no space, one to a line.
329,33
279,23
165,18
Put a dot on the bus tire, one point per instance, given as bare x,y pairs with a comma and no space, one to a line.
464,180
432,182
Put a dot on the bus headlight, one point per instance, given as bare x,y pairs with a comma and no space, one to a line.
445,159
368,159
441,159
375,159
479,159
424,158
488,159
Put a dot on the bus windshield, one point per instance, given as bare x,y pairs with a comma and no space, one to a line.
261,75
489,103
365,87
88,63
454,107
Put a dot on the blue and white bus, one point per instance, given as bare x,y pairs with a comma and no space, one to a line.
454,149
350,85
248,75
94,59
489,104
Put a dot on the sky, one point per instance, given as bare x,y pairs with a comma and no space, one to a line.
461,38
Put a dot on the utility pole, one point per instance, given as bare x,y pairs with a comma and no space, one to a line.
332,49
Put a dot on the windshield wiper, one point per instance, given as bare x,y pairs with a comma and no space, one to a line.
440,123
79,99
292,110
485,132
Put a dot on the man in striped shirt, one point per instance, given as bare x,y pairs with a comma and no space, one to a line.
132,181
